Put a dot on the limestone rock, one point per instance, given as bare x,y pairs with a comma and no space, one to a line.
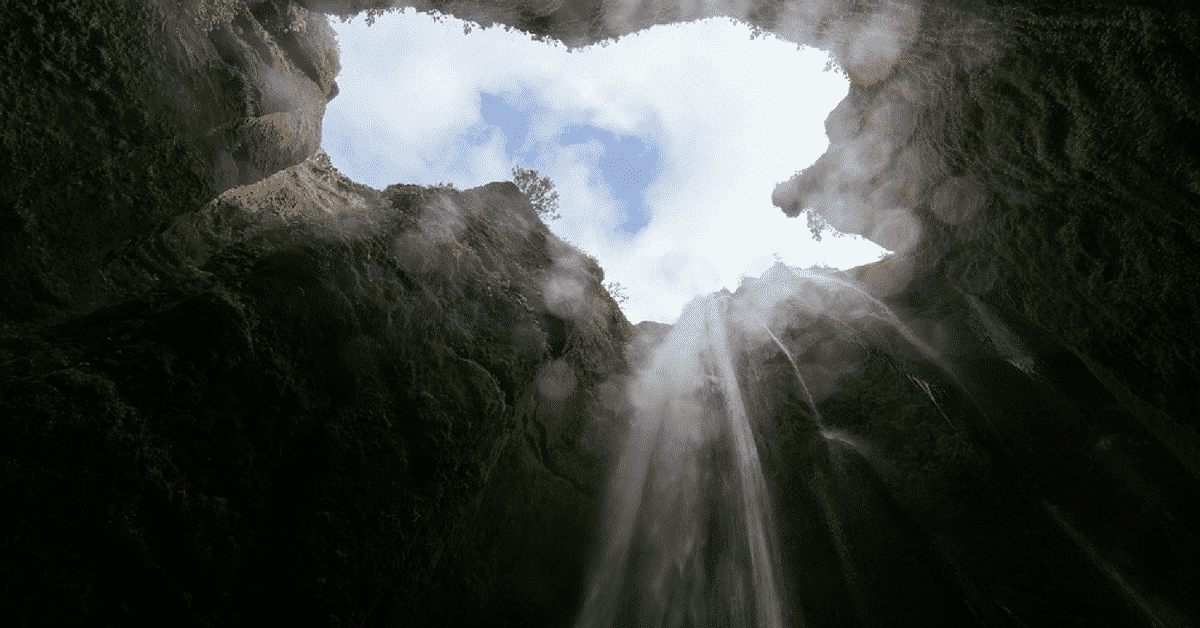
284,385
121,116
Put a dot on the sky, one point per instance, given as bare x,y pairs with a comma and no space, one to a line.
664,146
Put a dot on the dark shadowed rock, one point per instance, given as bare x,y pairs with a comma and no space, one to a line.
315,399
935,480
120,116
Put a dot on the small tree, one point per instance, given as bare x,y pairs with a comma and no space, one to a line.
355,6
540,191
830,66
818,224
616,291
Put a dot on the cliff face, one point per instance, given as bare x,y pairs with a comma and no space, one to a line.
929,461
119,116
977,475
318,400
237,387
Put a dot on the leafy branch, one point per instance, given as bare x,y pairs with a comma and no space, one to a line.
831,66
616,291
539,191
817,224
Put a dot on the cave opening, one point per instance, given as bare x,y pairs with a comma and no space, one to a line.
664,145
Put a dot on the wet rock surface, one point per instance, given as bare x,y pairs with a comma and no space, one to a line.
928,461
1080,138
985,486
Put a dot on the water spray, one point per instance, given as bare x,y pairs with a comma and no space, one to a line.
888,317
659,502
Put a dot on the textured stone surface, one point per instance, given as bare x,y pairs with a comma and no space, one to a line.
1080,141
989,480
119,116
314,401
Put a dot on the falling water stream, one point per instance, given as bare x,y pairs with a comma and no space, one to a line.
688,537
808,395
754,489
659,556
688,540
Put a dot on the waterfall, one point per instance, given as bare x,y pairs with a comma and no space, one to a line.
754,489
691,459
888,316
687,539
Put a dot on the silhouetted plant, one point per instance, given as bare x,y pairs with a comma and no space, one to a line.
830,66
817,224
540,191
359,6
616,291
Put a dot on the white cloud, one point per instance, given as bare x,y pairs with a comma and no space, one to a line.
730,117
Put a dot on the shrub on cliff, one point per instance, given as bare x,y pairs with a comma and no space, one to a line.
539,190
616,291
817,224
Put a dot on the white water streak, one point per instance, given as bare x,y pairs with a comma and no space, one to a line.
754,488
602,600
1156,612
888,316
657,496
811,402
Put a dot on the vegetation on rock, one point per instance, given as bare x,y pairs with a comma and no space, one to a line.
539,190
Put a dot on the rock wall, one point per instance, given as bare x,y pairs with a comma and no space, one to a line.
1080,138
959,469
988,479
119,116
240,388
318,404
